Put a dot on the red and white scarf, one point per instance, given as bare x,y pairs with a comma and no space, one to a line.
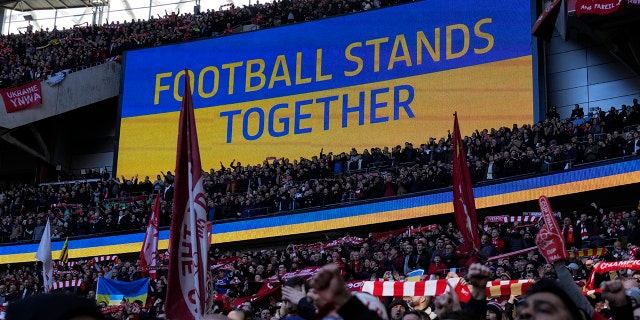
569,233
584,235
603,267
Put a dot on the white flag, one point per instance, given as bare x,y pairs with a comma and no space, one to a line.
56,78
149,249
44,255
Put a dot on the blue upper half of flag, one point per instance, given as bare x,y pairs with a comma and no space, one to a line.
415,273
325,54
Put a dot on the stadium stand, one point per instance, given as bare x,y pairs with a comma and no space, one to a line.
40,54
96,203
99,203
238,275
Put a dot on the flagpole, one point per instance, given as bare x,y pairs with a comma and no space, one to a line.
188,245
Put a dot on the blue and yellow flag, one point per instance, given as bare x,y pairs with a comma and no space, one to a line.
415,275
112,292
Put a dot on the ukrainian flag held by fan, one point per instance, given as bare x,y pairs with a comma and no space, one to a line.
112,292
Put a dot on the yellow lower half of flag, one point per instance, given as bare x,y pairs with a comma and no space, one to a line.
275,127
116,299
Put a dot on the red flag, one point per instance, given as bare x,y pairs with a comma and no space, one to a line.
462,290
599,7
464,205
543,28
188,235
150,245
266,290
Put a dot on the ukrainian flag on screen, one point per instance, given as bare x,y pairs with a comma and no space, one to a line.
112,292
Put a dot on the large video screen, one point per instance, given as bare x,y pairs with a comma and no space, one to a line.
371,79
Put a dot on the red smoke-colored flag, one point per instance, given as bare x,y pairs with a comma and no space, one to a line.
464,205
149,252
543,28
188,244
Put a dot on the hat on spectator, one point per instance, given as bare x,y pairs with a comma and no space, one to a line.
373,303
634,293
552,287
573,266
495,308
53,306
399,302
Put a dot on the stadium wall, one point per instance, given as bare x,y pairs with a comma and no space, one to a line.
78,89
580,71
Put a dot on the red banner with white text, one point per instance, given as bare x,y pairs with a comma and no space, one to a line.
598,7
603,267
22,97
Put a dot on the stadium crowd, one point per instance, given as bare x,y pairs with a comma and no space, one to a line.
36,54
438,250
103,204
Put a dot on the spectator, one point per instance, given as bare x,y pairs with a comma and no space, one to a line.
295,302
240,315
437,266
571,235
331,295
553,113
487,249
397,309
158,184
497,242
577,112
